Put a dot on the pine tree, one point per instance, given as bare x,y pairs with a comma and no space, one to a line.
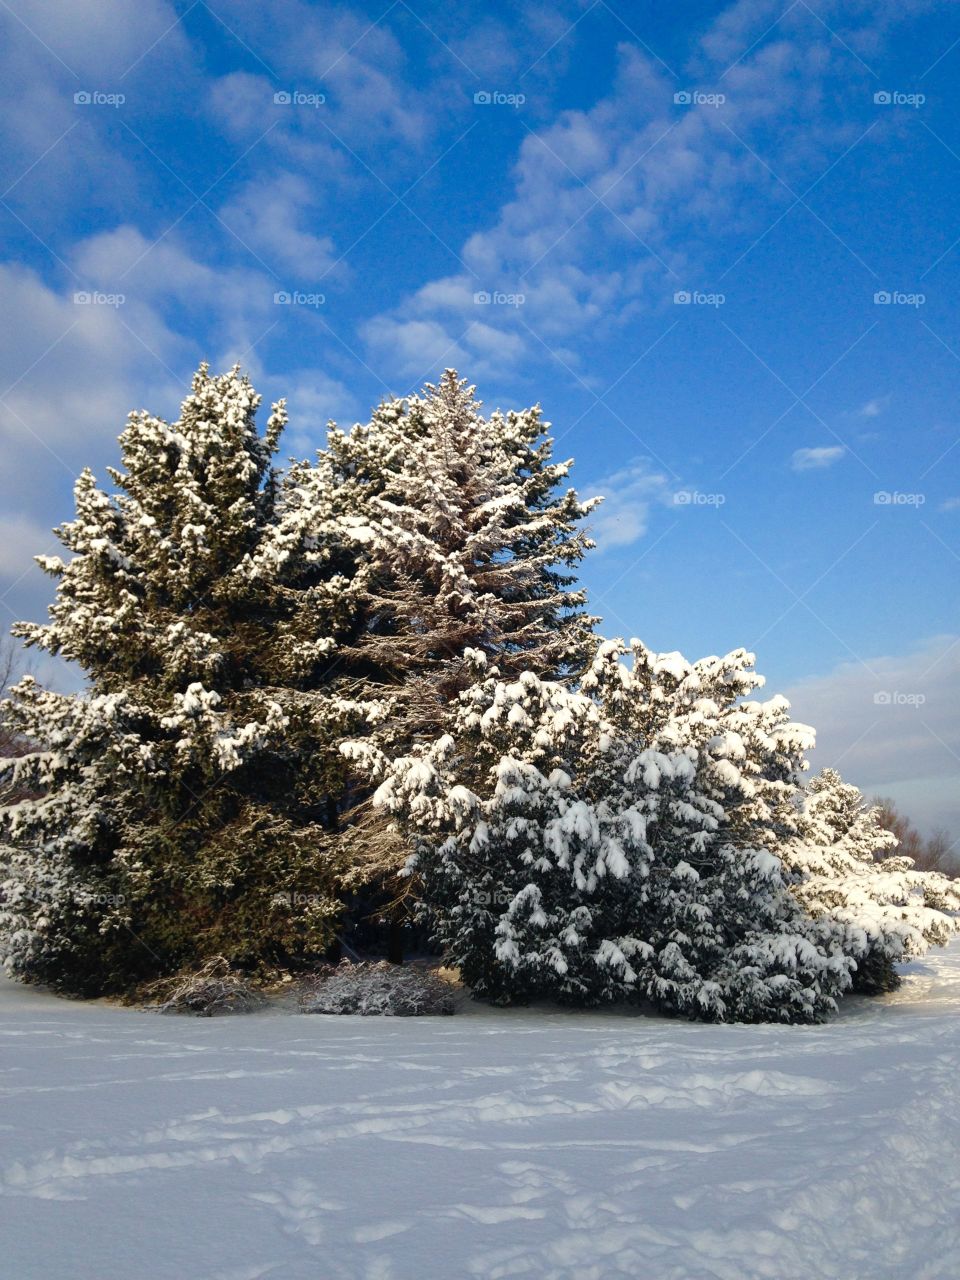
613,842
466,543
185,795
848,873
463,539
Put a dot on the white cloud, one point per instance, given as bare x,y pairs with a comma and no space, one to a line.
672,182
628,497
69,374
443,325
163,278
268,215
417,348
243,106
25,591
101,37
951,504
371,91
56,152
817,459
872,724
151,269
503,51
873,408
20,538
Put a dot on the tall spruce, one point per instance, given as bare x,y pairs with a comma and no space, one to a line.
185,796
465,538
466,541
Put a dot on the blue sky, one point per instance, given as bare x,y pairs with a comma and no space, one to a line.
618,157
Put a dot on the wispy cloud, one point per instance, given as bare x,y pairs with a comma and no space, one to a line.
628,498
268,215
873,408
817,459
611,207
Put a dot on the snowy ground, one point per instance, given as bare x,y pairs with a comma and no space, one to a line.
134,1147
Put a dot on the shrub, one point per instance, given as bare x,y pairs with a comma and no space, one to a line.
211,990
378,988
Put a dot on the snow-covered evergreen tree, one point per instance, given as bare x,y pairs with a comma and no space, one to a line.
465,538
614,842
184,805
848,871
466,541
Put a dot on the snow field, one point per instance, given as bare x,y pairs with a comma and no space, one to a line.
519,1143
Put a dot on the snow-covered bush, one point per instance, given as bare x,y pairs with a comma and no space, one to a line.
212,990
617,842
648,836
377,988
848,871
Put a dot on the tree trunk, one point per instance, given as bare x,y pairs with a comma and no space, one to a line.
395,942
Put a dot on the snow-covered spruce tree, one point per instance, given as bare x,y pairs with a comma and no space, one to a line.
466,541
848,871
184,795
615,842
465,538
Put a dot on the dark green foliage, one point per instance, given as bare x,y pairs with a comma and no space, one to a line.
188,796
